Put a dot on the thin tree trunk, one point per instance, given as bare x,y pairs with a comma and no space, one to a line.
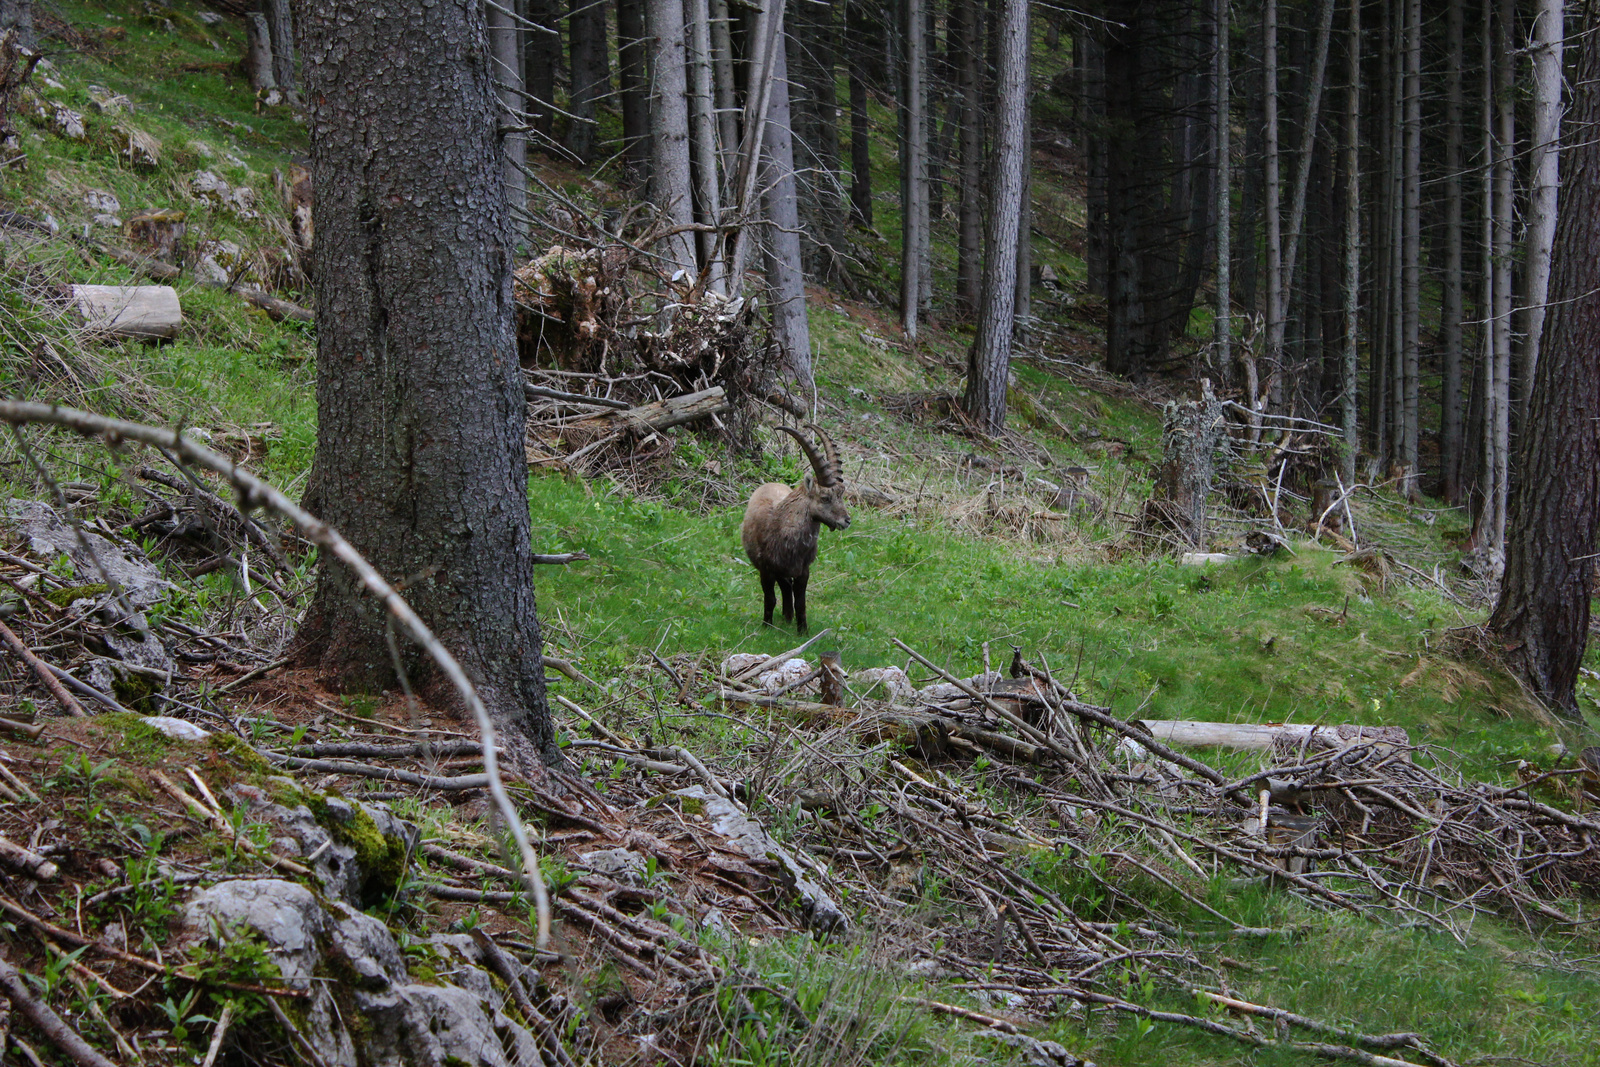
542,57
420,407
703,141
1222,114
1092,131
1450,314
1545,45
633,80
989,365
765,37
1024,311
1273,190
280,28
505,47
1504,190
785,280
591,75
1542,617
1411,249
670,187
860,119
258,52
723,80
1349,384
969,215
913,166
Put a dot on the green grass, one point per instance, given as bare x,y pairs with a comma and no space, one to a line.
1233,642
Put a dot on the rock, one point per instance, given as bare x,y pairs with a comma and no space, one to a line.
109,222
49,537
618,864
360,849
783,675
102,202
142,150
107,102
741,661
180,729
364,1007
1036,1053
896,685
748,836
68,123
219,263
945,691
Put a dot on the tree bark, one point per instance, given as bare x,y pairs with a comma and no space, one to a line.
786,284
1409,411
1222,114
1542,616
913,166
541,58
1450,312
420,405
858,30
670,190
1351,362
633,79
1504,246
280,29
969,215
1545,45
505,46
18,15
703,140
258,52
1273,190
989,363
591,75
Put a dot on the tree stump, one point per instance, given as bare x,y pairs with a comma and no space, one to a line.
1194,430
157,233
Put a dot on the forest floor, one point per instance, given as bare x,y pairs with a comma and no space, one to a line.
1017,876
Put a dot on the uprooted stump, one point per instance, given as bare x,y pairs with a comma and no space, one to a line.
1193,431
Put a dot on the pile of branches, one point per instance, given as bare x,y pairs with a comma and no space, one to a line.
983,785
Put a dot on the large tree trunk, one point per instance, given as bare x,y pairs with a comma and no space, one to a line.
669,134
633,81
591,75
786,284
1504,245
989,363
815,113
1542,617
420,407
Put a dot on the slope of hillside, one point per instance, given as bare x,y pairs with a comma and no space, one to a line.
1018,880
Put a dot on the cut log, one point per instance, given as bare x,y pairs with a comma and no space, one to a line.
1262,736
129,310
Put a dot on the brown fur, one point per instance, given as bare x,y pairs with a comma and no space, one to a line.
781,526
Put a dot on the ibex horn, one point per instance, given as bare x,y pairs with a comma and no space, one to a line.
835,473
817,462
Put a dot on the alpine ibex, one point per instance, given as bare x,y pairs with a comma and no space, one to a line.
781,525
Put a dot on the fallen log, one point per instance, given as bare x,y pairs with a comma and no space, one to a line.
662,414
1263,736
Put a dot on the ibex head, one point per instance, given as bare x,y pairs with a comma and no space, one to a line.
826,490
